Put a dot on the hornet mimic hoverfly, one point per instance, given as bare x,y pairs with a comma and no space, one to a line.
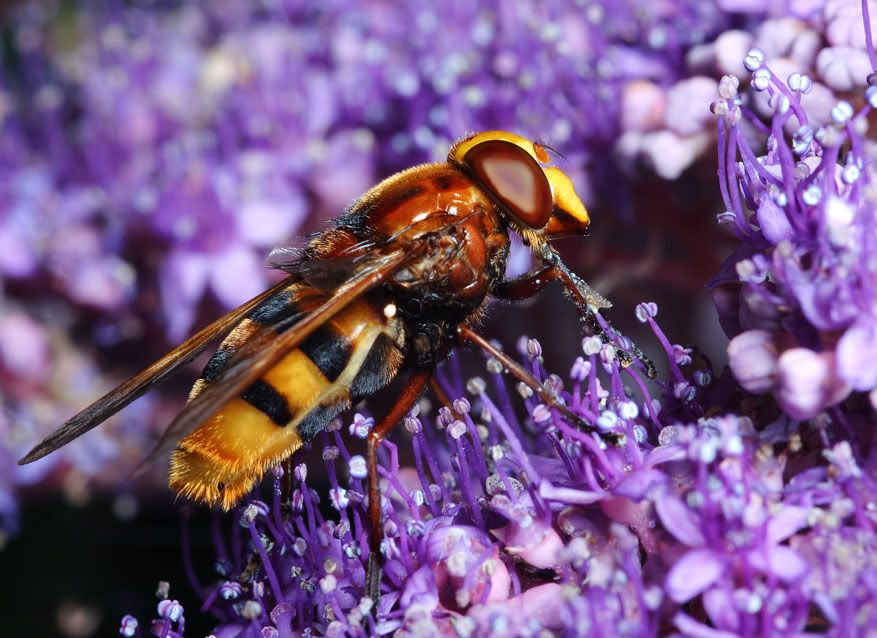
400,278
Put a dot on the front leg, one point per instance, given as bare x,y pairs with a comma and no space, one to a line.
587,300
527,285
530,284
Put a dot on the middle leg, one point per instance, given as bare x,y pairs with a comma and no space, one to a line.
467,334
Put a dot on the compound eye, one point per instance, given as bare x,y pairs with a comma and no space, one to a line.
514,178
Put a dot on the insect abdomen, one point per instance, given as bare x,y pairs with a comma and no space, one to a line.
348,358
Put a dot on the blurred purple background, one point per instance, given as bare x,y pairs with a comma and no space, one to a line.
151,154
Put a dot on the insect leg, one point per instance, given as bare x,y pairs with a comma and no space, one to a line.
286,487
585,298
440,394
414,387
527,285
511,366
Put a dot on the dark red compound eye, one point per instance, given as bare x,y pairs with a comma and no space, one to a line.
514,179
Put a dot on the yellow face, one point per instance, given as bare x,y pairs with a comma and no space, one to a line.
516,172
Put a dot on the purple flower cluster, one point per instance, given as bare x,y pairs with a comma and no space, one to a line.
150,157
799,295
678,516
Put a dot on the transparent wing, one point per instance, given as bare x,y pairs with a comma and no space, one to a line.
264,349
324,272
167,366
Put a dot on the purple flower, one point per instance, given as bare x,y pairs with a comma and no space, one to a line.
709,523
148,166
799,208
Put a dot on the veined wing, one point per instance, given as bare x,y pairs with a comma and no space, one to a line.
137,386
264,348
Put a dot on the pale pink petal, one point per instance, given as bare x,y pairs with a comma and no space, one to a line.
789,520
237,274
688,103
752,356
857,354
669,153
694,629
25,350
843,68
693,573
781,561
17,257
679,520
642,106
844,24
808,382
267,222
788,37
731,48
537,546
818,104
106,282
721,608
543,603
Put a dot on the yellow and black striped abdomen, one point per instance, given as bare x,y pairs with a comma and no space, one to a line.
349,358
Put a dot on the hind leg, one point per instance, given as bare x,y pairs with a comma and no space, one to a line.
414,387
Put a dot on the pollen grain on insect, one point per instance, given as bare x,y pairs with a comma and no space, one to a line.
390,310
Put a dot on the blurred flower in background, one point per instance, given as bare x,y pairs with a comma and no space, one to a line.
151,155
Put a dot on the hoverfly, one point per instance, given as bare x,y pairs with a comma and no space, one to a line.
400,278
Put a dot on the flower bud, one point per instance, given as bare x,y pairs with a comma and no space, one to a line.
807,382
754,59
752,356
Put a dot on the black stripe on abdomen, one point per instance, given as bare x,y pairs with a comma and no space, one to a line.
318,418
275,309
373,375
265,398
329,351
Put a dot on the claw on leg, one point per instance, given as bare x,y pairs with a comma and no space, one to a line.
627,356
374,573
